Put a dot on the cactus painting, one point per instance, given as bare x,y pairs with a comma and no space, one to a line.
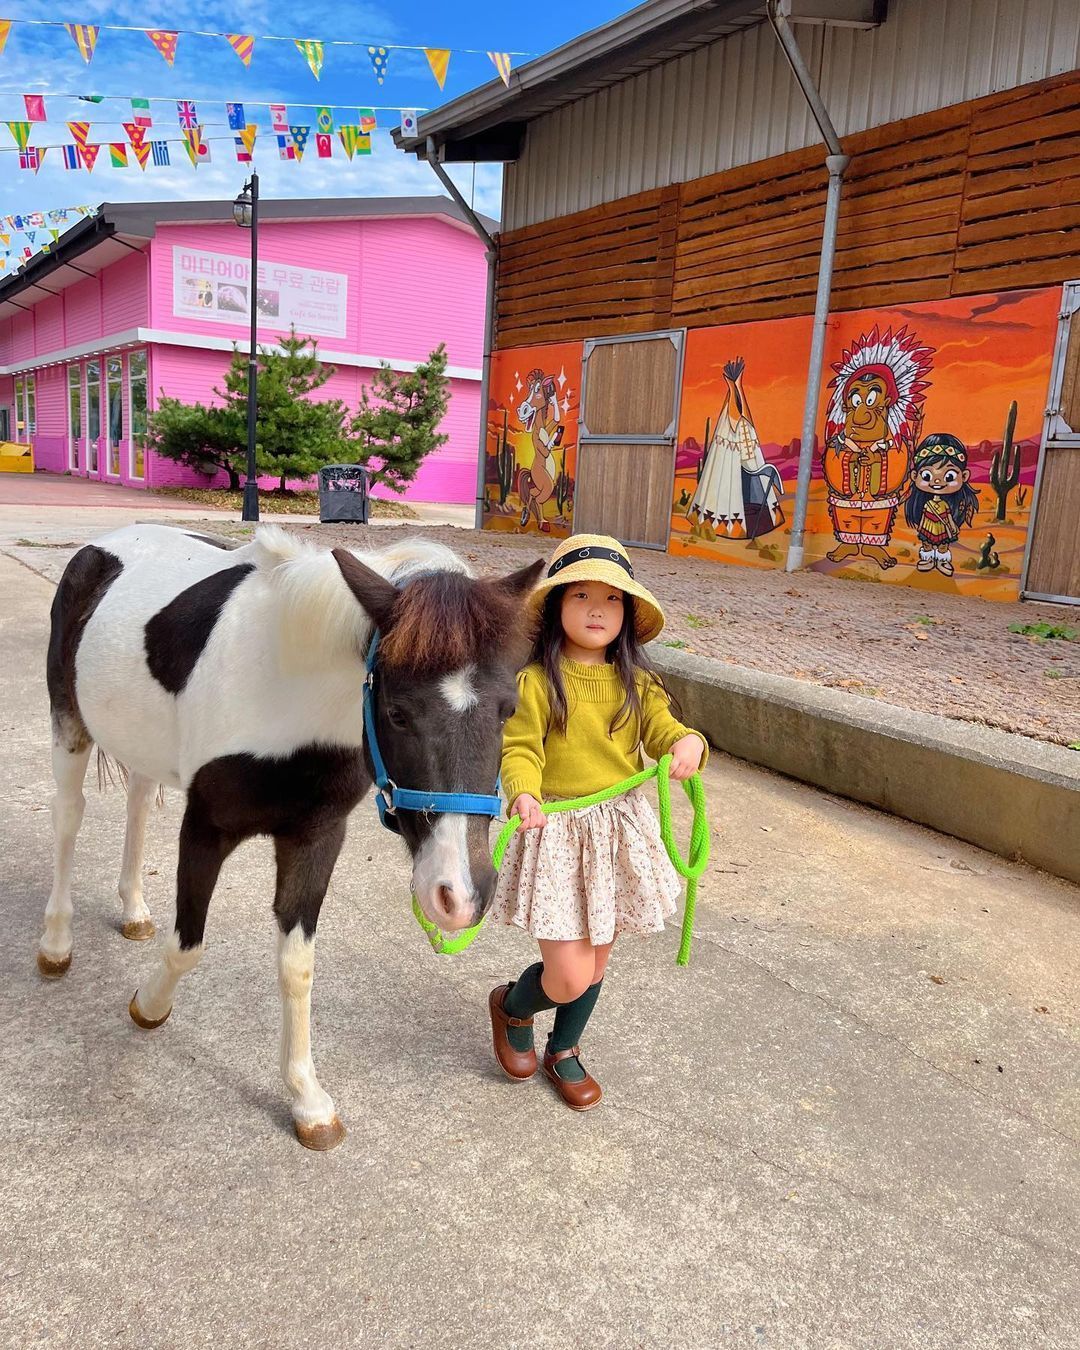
1005,466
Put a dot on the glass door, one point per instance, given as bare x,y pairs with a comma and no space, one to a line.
114,394
93,415
137,404
75,428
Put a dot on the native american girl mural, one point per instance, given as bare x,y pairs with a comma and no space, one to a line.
532,426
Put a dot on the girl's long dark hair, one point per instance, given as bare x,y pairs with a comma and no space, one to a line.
962,504
626,654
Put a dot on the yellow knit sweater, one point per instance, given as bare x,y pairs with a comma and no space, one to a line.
550,764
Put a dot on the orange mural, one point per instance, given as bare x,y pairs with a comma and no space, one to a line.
532,432
929,429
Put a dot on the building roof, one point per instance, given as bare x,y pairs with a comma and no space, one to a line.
117,228
489,123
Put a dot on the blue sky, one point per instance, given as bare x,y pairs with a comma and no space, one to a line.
46,61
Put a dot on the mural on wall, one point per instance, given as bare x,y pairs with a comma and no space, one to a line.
532,430
923,469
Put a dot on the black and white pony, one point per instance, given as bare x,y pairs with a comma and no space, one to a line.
236,675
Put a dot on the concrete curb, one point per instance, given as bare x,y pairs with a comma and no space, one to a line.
1011,795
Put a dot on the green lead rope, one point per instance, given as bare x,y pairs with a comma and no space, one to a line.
689,869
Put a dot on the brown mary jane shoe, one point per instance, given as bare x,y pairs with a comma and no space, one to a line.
579,1096
515,1063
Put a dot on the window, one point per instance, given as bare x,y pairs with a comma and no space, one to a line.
74,414
93,414
31,406
137,402
20,410
5,424
114,391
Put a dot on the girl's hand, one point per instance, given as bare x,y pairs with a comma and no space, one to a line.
686,757
528,808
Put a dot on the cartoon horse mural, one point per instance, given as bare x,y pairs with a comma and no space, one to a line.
236,675
539,415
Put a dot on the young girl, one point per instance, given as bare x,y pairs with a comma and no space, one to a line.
941,500
587,705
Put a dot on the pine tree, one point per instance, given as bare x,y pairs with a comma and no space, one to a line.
397,420
203,438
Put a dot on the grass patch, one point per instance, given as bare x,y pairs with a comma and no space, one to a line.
277,503
1046,632
676,642
696,621
47,543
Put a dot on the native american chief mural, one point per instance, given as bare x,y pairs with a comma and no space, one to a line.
739,494
874,423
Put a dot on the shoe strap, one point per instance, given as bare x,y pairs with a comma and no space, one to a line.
557,1056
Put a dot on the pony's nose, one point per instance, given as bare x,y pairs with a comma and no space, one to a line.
454,905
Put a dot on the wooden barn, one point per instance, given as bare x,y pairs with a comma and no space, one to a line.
792,284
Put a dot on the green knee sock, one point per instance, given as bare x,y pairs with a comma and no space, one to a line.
525,997
570,1020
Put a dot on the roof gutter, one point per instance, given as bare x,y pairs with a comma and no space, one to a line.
491,254
836,162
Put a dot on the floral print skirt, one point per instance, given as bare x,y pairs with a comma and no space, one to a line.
591,873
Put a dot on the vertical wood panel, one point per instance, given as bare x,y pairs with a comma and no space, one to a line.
1055,557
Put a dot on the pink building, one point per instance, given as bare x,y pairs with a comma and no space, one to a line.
146,298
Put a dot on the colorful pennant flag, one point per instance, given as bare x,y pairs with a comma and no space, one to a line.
142,154
5,29
91,98
324,120
89,156
55,235
58,215
140,112
30,158
35,107
279,117
235,113
71,156
408,122
196,147
21,132
243,154
135,134
439,61
79,131
242,45
5,239
29,252
186,114
324,144
165,41
286,149
247,137
32,236
348,137
379,57
312,52
368,120
363,145
160,150
299,139
37,217
118,155
501,62
85,36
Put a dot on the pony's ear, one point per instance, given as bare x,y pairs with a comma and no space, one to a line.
375,593
522,581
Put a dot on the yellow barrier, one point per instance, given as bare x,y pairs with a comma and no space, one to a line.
16,458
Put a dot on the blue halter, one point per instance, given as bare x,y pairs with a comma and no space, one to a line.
390,798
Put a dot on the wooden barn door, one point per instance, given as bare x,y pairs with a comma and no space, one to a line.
1053,569
626,446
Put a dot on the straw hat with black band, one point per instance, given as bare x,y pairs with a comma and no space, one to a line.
597,557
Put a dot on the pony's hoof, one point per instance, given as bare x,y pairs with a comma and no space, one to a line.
51,969
139,1019
321,1138
138,930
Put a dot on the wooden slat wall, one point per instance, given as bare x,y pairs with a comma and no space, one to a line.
981,196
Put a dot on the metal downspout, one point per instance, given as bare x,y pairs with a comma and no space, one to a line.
836,162
431,155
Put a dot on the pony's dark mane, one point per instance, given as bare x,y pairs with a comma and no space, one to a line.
444,621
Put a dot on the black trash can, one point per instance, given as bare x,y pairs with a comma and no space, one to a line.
343,494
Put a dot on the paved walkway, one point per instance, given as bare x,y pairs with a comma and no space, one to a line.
851,1124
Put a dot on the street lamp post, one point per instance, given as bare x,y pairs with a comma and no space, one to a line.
246,215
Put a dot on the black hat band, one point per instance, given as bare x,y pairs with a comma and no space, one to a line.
591,554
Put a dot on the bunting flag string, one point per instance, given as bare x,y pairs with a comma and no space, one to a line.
89,156
35,107
84,36
242,45
379,58
142,154
143,104
299,139
501,61
5,29
165,41
21,132
439,61
118,155
140,112
312,52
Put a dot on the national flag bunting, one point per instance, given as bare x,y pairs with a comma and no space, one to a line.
186,114
286,149
71,156
55,235
363,145
165,41
247,137
439,61
279,117
37,217
235,113
299,139
35,107
32,236
5,29
85,36
408,122
324,120
91,98
243,154
21,132
501,61
368,120
140,112
312,52
324,144
118,155
160,150
243,45
348,137
197,149
30,158
379,57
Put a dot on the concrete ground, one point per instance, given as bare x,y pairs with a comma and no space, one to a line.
850,1124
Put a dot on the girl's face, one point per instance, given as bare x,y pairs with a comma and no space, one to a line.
592,615
941,479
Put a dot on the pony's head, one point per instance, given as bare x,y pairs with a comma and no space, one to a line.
539,398
449,650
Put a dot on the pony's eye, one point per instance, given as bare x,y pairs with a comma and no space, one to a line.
396,717
506,711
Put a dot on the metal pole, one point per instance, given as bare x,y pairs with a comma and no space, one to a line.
836,162
251,487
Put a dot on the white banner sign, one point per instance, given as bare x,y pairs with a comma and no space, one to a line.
216,288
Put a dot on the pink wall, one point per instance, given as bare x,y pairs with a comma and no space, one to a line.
50,442
100,306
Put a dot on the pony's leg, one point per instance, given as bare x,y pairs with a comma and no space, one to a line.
136,923
203,849
69,770
303,873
